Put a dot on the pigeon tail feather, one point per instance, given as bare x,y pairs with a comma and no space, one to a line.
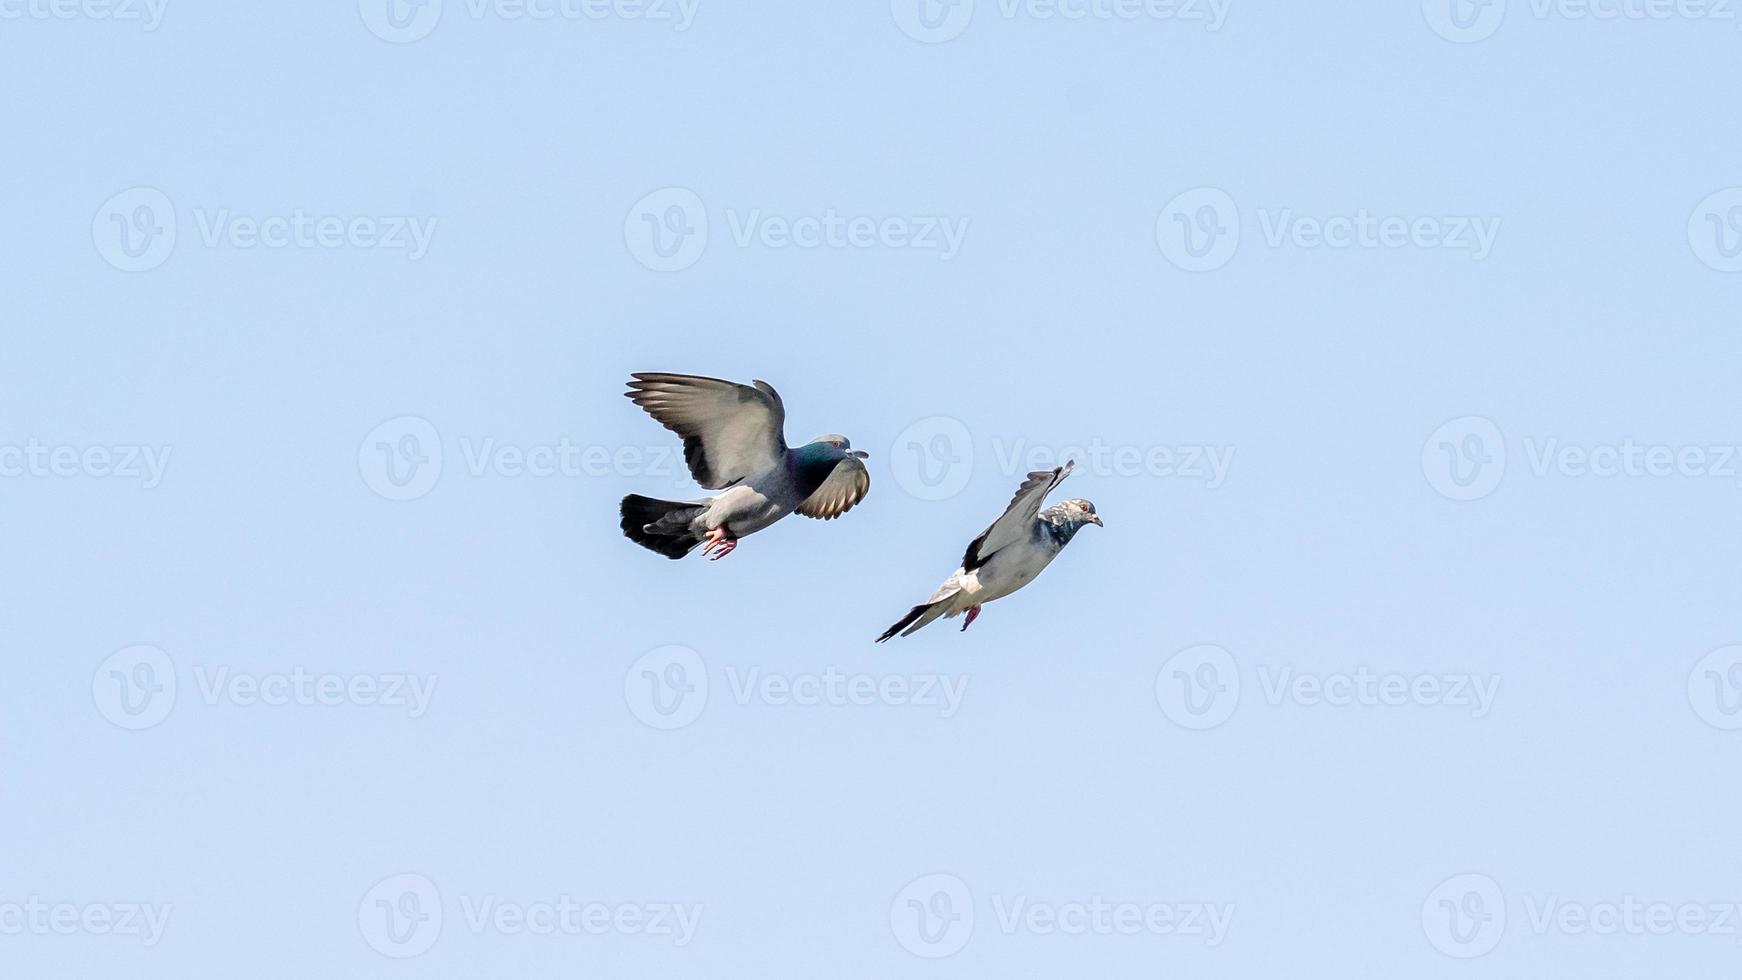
916,617
660,525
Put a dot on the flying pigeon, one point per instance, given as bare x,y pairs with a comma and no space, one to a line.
733,441
1007,555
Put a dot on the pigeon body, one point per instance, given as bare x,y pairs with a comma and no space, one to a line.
1007,555
733,442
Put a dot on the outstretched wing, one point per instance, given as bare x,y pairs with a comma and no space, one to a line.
1017,522
847,484
730,431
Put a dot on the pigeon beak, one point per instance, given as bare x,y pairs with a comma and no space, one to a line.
859,454
1095,519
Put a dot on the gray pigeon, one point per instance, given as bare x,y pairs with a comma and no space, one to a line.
1007,555
733,441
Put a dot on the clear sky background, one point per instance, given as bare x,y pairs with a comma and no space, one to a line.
1141,737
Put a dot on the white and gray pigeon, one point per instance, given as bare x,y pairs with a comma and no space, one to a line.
1007,555
733,440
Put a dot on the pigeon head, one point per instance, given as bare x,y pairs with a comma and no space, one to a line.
1077,511
839,444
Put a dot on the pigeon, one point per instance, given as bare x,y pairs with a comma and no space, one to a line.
733,441
1007,555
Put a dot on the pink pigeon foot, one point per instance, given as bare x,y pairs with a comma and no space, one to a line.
717,539
973,614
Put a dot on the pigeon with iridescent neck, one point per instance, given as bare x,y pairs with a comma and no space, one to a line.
1007,555
733,440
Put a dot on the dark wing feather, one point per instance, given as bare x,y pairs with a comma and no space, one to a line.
1017,521
730,431
846,485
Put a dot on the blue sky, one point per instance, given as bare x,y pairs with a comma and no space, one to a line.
1395,344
